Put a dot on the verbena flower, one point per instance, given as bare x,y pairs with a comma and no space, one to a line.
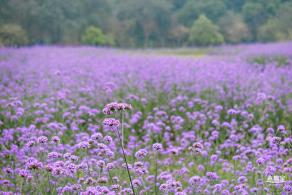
42,139
111,122
157,147
114,107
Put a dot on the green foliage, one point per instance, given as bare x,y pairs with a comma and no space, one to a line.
178,35
233,28
278,28
278,60
12,35
95,36
257,12
147,23
271,31
213,9
204,33
252,11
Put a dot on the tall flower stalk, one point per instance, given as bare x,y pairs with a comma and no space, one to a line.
157,148
125,159
115,124
156,170
122,128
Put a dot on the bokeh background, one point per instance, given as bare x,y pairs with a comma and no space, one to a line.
144,23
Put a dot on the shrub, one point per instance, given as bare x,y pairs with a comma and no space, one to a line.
12,35
204,33
94,36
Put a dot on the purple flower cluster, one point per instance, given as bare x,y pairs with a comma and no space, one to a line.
219,124
114,107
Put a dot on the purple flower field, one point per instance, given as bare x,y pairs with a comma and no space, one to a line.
84,120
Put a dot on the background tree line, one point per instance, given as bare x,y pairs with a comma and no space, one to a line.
144,23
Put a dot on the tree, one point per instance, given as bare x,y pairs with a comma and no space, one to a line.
147,21
204,33
12,35
233,28
94,36
178,35
257,12
212,9
271,31
279,27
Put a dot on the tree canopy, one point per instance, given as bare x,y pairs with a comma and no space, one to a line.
204,33
144,23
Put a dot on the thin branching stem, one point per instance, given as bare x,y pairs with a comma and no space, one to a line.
125,159
156,170
122,129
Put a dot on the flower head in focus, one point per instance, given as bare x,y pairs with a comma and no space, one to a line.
114,107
